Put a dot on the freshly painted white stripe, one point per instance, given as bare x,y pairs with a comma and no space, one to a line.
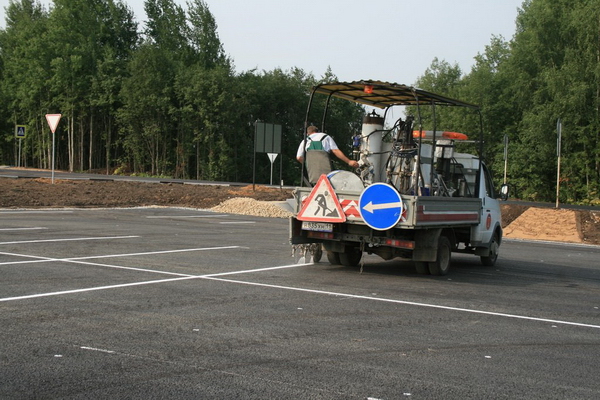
217,276
33,296
153,252
248,271
70,239
185,277
23,229
78,260
410,303
154,271
100,350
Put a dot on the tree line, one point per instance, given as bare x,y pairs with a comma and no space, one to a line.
164,99
549,70
161,100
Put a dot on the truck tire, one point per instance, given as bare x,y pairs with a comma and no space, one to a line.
422,267
317,254
350,258
490,260
442,263
333,257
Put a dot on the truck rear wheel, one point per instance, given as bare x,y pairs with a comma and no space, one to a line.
350,258
442,263
333,257
317,253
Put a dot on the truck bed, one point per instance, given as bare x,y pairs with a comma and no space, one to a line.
418,211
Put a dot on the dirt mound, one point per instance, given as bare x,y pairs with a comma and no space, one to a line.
25,193
518,221
545,224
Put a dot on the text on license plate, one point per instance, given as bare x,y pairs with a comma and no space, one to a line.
317,226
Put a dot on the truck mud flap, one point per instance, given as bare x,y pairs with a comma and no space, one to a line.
426,241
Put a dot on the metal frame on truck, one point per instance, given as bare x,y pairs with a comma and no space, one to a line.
384,95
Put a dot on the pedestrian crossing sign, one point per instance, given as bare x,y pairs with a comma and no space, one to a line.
322,205
20,131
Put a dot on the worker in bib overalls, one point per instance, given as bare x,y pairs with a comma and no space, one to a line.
316,151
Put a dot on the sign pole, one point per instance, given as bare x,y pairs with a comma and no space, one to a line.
53,154
272,157
53,120
505,156
558,151
20,134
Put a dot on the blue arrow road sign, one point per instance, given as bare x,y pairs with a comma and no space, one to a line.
380,206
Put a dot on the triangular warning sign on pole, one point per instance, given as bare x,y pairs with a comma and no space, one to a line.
322,205
53,120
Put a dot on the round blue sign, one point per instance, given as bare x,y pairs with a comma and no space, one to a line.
380,206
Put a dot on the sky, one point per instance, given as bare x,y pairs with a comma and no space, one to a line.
388,40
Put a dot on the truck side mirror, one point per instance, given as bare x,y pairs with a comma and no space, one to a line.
504,192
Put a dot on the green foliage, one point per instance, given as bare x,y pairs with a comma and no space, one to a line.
549,70
164,100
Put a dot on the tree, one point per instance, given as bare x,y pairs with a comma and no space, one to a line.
203,37
554,63
25,55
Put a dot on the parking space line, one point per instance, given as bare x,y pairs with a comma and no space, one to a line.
33,296
79,260
69,239
182,277
157,252
39,259
217,277
404,302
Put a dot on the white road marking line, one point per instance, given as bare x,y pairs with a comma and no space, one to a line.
184,277
33,296
305,290
47,259
23,229
410,303
70,240
248,271
238,222
155,252
100,350
79,260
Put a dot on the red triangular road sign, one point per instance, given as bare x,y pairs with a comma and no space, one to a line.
53,121
322,205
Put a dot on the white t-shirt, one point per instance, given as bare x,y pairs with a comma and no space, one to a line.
328,143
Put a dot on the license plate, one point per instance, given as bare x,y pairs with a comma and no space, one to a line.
317,226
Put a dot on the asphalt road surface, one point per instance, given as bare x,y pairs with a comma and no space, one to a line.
163,303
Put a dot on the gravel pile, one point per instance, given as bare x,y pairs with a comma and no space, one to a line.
248,206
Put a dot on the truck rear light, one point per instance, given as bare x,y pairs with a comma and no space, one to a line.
320,235
403,244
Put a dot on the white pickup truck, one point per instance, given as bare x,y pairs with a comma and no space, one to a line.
414,195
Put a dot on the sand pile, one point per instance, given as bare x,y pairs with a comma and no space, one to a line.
545,224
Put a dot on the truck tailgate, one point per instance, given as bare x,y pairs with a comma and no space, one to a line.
441,211
418,211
